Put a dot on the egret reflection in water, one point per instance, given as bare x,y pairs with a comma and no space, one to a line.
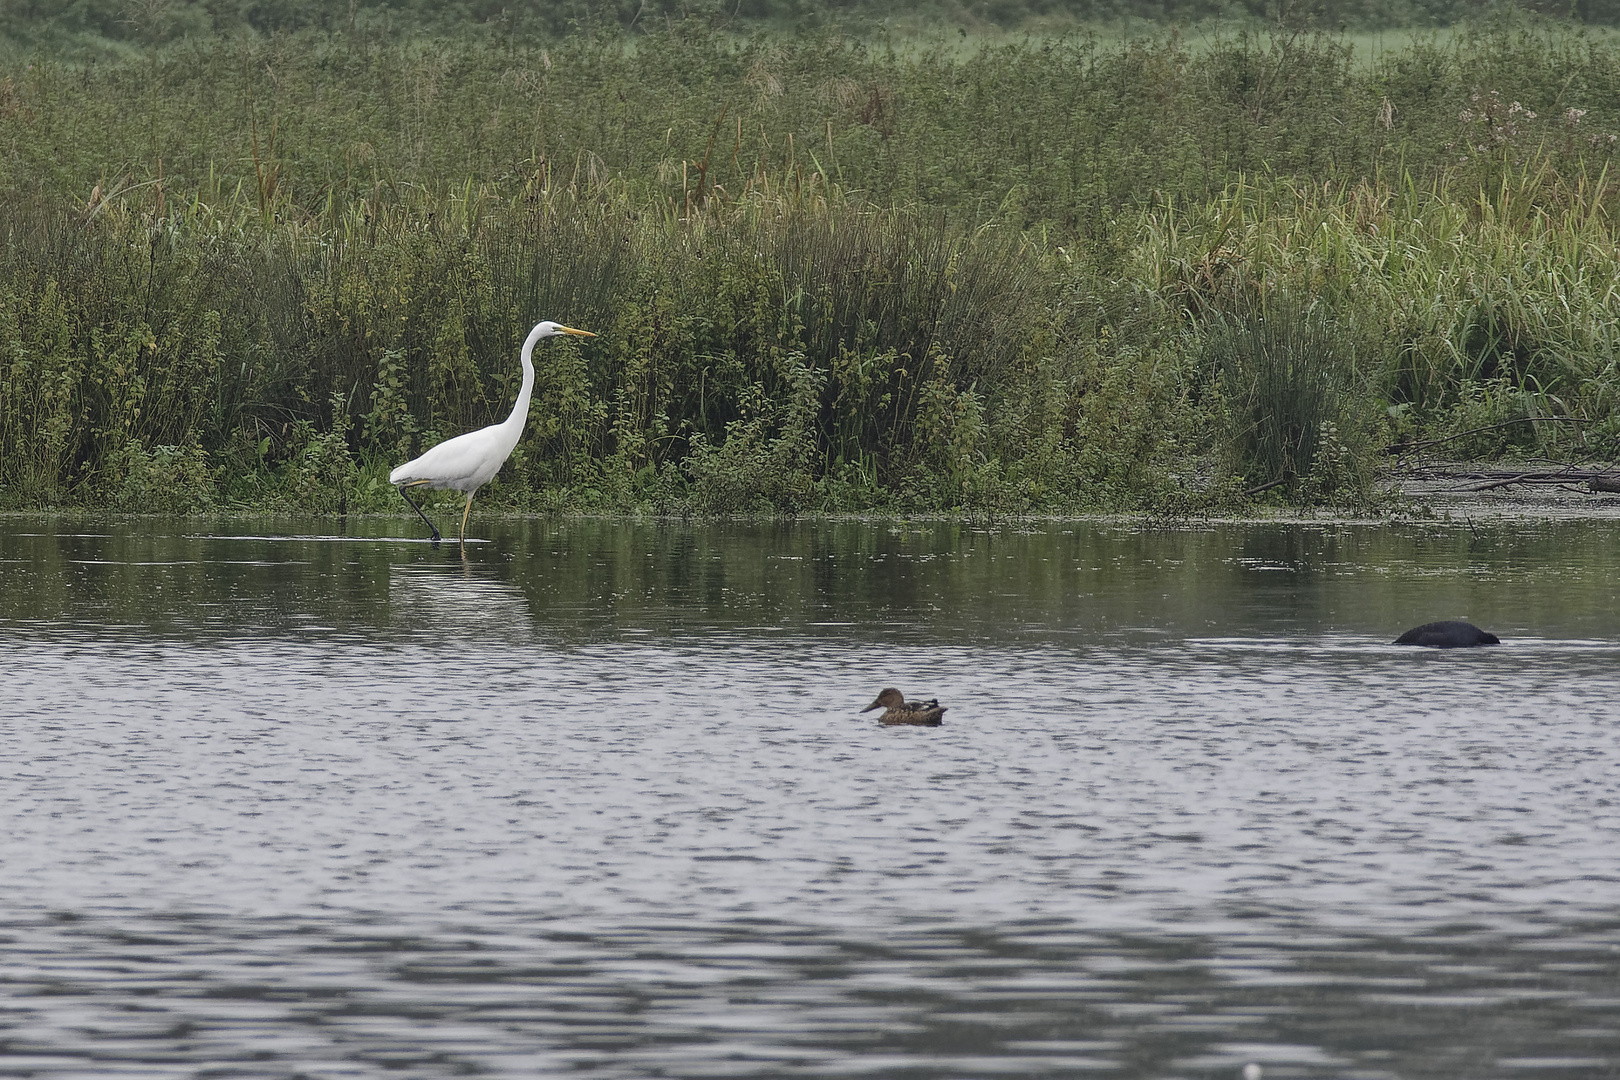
458,599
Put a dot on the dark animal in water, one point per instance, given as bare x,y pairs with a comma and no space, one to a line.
897,710
1450,634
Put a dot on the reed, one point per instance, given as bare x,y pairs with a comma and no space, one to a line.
258,271
1288,377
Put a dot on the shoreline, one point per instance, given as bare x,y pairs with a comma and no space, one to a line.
1427,503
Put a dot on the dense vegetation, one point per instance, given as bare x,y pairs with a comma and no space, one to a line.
87,27
827,272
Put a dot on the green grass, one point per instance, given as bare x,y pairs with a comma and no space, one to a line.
108,29
828,273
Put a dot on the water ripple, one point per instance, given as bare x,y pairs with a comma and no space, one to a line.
449,823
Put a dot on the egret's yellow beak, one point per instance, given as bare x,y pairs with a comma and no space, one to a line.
576,333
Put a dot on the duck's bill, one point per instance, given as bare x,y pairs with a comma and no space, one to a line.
874,705
576,333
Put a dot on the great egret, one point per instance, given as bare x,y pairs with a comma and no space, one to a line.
897,710
1450,634
467,462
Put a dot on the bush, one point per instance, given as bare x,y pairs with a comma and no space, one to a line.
162,480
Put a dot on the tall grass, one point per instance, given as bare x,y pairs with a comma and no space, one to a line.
1515,285
1286,373
257,272
772,356
1063,133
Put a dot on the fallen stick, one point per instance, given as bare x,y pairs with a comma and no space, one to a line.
1258,488
1596,481
1525,478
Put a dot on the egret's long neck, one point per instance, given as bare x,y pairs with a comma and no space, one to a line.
512,428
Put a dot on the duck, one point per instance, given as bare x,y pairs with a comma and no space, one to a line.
897,710
1448,634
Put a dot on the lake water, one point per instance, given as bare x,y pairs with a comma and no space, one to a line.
597,800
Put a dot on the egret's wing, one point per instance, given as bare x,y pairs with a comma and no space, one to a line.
453,462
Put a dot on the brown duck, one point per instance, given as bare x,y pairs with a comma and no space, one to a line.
897,710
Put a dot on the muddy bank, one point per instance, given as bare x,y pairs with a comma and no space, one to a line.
1532,490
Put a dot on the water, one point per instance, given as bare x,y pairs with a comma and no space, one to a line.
596,800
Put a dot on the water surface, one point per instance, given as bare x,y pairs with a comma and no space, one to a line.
596,799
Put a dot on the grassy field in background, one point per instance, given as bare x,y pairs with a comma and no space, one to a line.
829,273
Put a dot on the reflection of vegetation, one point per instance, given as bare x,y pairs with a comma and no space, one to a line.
575,580
258,271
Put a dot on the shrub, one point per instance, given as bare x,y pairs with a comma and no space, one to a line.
161,480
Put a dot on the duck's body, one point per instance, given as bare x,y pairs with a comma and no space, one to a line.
1448,634
897,710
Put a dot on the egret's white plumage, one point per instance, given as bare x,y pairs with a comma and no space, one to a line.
468,462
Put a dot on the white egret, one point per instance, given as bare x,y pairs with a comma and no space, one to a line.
467,462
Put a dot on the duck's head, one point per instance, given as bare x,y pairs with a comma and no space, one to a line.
889,699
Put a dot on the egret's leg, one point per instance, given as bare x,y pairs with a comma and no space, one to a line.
434,528
464,514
